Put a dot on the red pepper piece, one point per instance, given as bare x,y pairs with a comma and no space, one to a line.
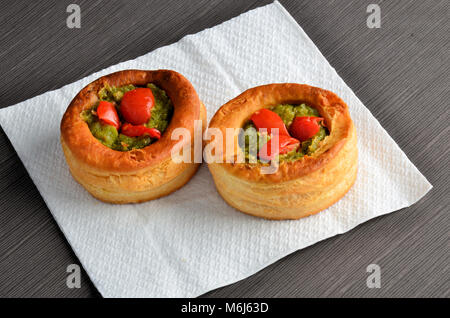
136,131
285,145
136,105
107,114
304,128
268,119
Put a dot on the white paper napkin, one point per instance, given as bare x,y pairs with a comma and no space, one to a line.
190,242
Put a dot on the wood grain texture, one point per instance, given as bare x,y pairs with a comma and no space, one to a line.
401,72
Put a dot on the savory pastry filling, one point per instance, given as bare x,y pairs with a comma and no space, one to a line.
129,117
300,131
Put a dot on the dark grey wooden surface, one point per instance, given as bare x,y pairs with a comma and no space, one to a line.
400,71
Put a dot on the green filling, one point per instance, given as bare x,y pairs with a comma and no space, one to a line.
109,136
250,140
114,94
287,113
161,111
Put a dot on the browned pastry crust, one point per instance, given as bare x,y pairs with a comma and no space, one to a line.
298,188
139,174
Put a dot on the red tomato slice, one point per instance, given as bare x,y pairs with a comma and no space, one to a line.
304,128
136,131
107,114
268,119
285,145
136,105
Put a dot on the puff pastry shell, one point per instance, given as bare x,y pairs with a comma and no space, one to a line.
298,188
139,174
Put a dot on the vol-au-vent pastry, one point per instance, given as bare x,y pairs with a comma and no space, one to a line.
304,133
116,134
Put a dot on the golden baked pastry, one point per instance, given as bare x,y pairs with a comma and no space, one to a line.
304,183
131,169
